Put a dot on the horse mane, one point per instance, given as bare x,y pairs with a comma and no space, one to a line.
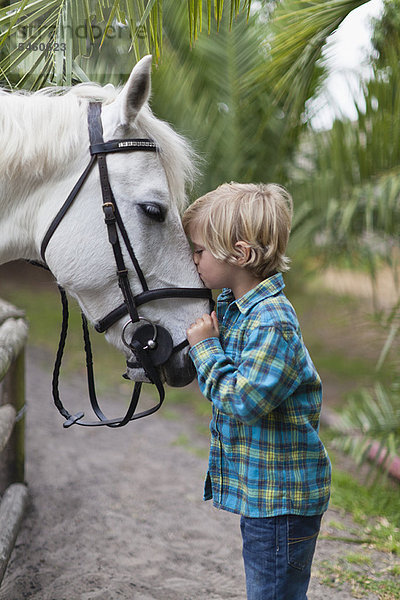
41,132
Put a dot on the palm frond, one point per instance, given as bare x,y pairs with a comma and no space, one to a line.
205,92
51,36
297,34
196,9
44,40
351,175
369,427
393,324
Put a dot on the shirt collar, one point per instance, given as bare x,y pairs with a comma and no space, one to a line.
267,288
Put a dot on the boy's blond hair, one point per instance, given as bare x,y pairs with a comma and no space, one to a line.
259,215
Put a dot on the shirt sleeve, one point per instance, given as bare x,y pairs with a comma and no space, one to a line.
267,374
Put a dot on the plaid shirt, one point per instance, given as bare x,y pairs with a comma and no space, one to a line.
266,458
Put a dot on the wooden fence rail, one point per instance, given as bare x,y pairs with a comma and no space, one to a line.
13,491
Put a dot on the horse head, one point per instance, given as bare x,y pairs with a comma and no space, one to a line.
149,190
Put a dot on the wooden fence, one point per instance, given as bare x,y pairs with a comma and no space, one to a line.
13,491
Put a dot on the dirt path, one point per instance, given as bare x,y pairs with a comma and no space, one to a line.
118,513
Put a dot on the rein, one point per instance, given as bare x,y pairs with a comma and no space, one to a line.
151,344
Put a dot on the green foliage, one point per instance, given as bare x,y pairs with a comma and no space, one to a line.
197,9
376,509
371,423
375,580
348,183
347,179
351,181
298,32
207,93
42,42
386,34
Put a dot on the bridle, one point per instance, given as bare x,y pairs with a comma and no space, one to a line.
151,344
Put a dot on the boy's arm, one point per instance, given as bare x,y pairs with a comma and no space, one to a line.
267,374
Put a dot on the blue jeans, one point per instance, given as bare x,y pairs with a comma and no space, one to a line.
277,554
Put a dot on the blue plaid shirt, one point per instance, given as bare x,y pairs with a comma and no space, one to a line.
266,457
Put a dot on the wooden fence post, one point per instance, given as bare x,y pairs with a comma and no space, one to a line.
13,335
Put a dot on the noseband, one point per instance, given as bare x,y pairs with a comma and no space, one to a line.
151,344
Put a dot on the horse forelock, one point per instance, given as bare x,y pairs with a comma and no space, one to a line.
40,132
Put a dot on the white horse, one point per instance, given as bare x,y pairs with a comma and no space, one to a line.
44,149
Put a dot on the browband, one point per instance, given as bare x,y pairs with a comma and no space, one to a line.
123,145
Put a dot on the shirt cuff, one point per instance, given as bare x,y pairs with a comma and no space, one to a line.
201,352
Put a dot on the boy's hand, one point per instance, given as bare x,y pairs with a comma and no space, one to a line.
204,327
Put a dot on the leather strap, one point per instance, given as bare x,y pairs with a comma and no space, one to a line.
63,210
148,296
110,220
145,361
123,146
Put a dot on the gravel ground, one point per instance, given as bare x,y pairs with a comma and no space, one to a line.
118,514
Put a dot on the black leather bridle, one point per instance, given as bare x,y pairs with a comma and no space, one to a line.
151,344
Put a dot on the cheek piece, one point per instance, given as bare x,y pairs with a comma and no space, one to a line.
151,344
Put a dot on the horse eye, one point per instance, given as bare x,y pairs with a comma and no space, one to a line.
153,211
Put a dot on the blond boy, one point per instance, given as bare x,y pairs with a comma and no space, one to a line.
267,462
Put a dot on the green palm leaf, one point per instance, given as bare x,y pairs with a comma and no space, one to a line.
371,422
353,175
298,32
62,32
206,93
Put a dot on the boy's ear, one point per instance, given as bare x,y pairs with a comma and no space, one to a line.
244,251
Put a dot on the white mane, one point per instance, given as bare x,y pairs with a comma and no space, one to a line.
42,131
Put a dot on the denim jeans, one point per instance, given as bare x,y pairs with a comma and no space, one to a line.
277,554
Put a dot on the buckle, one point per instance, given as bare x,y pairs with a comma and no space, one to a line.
107,205
109,212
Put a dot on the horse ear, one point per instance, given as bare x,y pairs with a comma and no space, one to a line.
136,90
